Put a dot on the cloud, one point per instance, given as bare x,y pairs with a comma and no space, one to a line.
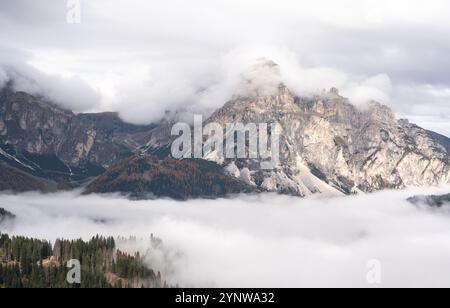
260,241
33,14
304,80
144,93
427,105
144,57
71,93
203,87
377,88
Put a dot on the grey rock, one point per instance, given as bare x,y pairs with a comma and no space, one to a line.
330,146
432,201
33,125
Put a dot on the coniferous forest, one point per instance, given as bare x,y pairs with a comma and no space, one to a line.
31,263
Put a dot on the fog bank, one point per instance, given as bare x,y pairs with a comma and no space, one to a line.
260,241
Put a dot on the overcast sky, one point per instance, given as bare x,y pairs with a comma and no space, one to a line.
141,57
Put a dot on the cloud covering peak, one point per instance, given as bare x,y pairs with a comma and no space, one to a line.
142,58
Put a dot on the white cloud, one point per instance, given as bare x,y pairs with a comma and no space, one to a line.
70,92
261,241
143,93
377,88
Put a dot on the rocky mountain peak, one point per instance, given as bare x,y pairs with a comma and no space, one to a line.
330,146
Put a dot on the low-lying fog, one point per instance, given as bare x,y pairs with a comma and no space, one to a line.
260,241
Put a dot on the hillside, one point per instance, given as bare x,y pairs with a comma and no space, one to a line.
145,176
33,263
15,180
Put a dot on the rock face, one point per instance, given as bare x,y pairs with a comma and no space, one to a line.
144,176
37,127
444,141
42,140
47,167
330,146
433,201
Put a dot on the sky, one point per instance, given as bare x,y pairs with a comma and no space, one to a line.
259,241
142,58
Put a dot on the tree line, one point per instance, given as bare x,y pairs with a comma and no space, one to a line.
31,263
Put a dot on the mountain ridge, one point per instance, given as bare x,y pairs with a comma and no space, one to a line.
146,176
39,127
443,140
328,146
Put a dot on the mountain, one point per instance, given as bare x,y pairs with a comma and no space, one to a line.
327,146
145,176
330,146
45,141
33,125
